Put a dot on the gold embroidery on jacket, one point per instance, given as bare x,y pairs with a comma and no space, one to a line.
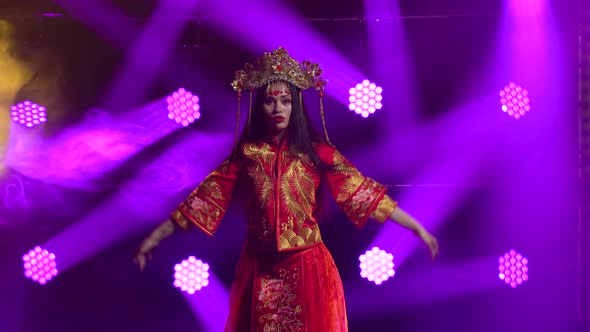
304,236
346,170
356,194
261,179
298,191
359,205
297,185
298,198
205,213
253,151
181,220
384,209
212,188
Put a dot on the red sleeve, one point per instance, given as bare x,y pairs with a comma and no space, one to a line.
206,205
358,196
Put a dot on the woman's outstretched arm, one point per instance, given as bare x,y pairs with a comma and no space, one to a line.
204,208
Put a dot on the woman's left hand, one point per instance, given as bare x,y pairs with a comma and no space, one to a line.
430,242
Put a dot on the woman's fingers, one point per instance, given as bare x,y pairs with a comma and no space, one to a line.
140,259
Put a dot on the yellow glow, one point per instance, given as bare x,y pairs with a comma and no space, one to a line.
13,75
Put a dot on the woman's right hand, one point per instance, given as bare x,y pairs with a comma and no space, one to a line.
144,253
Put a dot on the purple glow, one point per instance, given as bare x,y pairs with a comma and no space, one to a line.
515,100
191,275
531,9
183,107
40,265
336,68
376,265
513,268
28,113
365,98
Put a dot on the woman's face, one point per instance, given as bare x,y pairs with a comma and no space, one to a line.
277,107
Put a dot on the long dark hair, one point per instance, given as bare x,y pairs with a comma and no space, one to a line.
301,136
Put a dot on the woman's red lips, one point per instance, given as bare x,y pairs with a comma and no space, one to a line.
278,119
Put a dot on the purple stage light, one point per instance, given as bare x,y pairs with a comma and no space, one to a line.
191,275
40,265
365,98
28,114
376,265
515,100
513,268
183,107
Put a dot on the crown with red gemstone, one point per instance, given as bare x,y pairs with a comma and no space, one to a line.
278,66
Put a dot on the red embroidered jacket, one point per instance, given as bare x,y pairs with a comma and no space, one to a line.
281,199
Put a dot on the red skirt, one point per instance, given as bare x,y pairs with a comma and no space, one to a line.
297,291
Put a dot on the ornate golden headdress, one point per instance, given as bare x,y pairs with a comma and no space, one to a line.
279,66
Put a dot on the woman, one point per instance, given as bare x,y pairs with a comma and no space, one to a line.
285,276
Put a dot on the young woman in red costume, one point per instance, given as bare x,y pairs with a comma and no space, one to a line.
286,278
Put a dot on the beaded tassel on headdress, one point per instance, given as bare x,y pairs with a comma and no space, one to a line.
250,108
323,117
279,66
237,133
239,94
